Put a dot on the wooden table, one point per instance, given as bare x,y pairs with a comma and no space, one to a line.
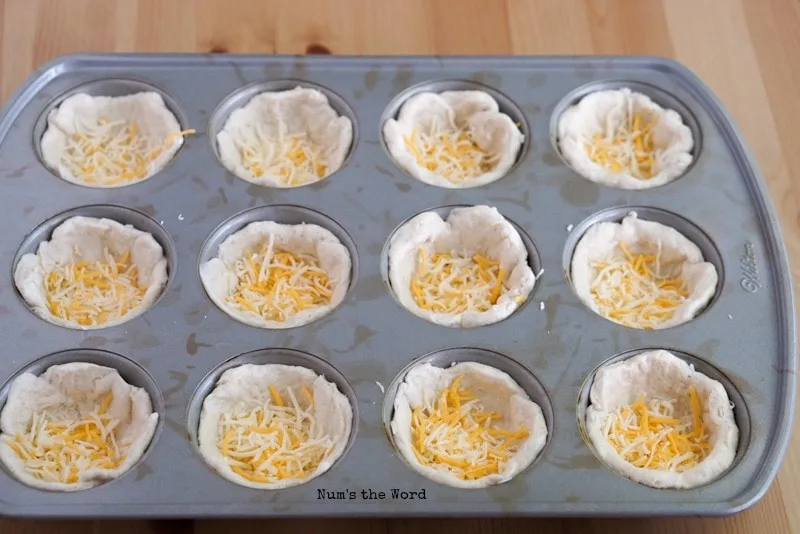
748,51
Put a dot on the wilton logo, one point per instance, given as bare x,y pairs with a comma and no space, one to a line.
749,281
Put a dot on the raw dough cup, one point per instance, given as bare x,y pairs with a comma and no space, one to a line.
219,280
299,107
422,382
475,110
278,357
135,390
118,98
81,227
601,240
474,229
587,112
659,373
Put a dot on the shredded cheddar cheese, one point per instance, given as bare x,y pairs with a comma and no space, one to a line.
112,152
660,434
456,434
453,154
278,441
293,160
639,290
627,148
445,283
276,284
57,450
94,292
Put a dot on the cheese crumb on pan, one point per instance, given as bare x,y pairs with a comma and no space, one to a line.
285,139
623,139
469,270
467,426
75,426
454,139
111,141
273,426
273,275
656,420
92,273
641,274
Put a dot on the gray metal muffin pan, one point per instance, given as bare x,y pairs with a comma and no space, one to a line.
748,334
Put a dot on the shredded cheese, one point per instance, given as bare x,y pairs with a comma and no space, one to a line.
59,450
626,147
450,153
94,292
456,435
277,441
660,434
445,283
293,159
276,284
109,152
639,290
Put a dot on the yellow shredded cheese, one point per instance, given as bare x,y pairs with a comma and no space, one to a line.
112,152
445,283
276,441
450,153
660,434
276,284
293,160
94,292
627,148
59,450
638,290
456,434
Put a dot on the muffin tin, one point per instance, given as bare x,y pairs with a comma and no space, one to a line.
554,343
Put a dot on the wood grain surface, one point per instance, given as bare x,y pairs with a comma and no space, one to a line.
748,51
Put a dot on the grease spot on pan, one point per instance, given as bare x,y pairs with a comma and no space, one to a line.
195,313
402,77
551,159
383,170
371,79
200,183
487,78
369,288
264,193
579,461
93,342
192,345
17,173
147,209
524,202
536,80
579,192
142,470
